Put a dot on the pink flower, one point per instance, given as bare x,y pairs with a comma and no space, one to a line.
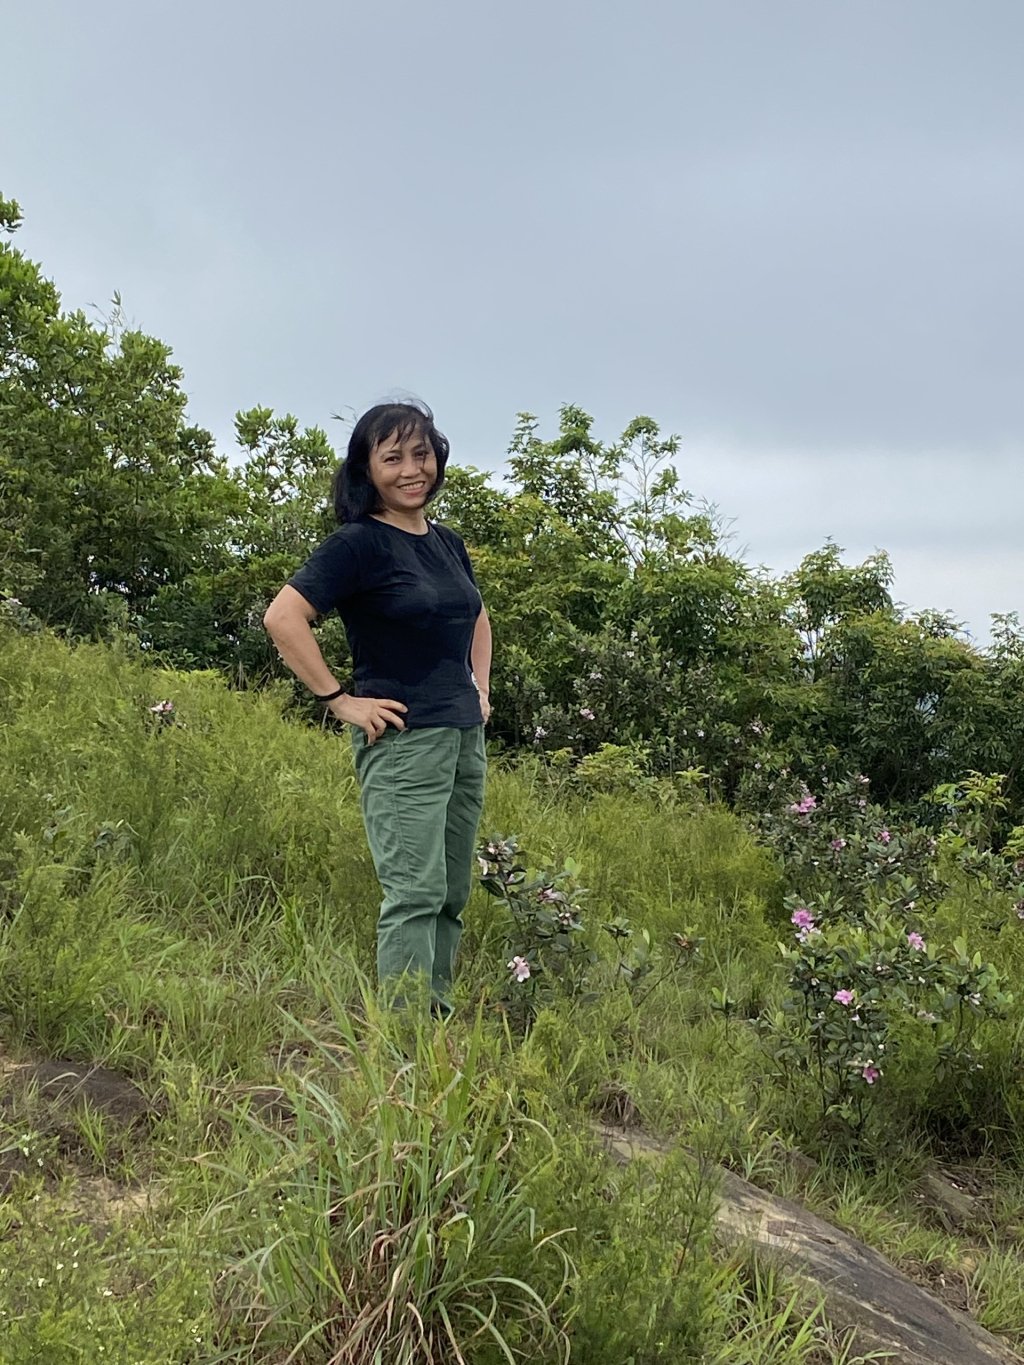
884,836
802,918
586,713
837,845
843,997
162,708
916,942
870,1073
520,968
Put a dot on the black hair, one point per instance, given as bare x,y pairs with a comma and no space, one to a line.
352,492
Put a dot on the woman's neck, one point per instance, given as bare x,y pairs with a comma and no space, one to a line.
413,521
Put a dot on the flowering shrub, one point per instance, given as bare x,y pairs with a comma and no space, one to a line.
845,854
849,985
548,952
546,948
860,964
164,714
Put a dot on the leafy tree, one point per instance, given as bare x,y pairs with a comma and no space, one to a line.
620,614
107,495
826,592
275,514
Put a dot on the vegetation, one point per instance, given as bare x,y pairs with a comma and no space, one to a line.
188,901
751,880
622,616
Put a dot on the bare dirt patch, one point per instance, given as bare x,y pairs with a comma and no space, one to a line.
67,1084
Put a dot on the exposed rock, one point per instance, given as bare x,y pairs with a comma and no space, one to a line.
862,1290
953,1205
803,1166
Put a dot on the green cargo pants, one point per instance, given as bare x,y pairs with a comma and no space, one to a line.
422,793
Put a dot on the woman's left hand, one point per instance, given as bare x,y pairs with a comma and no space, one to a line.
485,705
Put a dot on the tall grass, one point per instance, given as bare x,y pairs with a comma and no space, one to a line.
397,1223
194,904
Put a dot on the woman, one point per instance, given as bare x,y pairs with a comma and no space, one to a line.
421,653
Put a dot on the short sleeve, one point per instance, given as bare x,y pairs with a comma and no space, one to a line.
330,574
456,543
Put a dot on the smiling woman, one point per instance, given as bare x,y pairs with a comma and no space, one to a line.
421,652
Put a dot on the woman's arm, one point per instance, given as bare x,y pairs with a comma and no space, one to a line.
288,620
480,657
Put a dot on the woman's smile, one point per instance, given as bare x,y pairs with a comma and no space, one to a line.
403,470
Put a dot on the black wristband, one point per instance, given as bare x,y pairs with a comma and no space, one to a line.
340,692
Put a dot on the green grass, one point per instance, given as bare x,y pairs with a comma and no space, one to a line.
194,905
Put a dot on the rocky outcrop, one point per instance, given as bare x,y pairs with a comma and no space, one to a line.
861,1289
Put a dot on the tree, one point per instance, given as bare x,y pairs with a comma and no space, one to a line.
107,495
275,513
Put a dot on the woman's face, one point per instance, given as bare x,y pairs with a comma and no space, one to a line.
403,470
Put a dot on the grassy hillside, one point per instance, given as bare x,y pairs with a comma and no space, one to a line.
281,1173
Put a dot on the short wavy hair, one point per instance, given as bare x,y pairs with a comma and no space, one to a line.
352,491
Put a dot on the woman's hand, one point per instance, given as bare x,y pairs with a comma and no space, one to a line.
372,714
485,704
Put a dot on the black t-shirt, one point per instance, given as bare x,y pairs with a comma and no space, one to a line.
409,604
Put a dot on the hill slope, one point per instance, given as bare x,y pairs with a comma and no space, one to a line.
188,902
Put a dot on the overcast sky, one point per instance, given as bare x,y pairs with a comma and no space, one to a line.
789,230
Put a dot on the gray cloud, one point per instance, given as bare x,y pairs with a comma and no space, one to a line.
787,231
950,527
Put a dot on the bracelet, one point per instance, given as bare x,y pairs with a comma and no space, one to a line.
340,692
